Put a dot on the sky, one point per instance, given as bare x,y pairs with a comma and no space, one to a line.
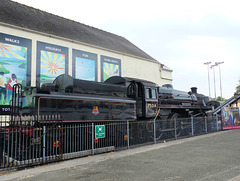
182,35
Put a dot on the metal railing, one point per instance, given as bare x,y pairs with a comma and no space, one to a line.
28,141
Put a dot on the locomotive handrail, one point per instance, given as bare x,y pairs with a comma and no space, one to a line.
16,102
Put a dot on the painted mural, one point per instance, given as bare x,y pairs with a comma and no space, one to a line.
15,54
110,67
51,62
230,118
84,65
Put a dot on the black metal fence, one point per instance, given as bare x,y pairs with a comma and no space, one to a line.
28,141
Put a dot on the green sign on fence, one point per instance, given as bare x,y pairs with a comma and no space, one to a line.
100,131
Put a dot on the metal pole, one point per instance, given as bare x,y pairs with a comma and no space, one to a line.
154,131
212,67
92,138
207,63
128,136
44,142
220,82
175,128
217,121
218,63
214,84
206,124
192,126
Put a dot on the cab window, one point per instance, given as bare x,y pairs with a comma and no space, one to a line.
154,94
148,93
131,91
151,93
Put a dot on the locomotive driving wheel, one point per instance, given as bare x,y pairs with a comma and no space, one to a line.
175,124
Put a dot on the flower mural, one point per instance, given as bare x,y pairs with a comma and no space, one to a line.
52,61
110,70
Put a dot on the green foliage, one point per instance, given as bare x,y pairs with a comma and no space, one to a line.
238,87
220,99
45,76
4,101
4,70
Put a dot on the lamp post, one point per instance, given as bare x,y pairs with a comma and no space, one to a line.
207,63
212,67
218,63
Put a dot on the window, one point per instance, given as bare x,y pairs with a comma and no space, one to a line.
154,95
131,90
151,93
148,93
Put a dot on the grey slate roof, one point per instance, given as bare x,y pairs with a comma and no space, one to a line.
34,19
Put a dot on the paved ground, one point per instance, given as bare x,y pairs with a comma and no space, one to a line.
214,156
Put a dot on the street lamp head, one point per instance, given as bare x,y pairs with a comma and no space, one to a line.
207,63
218,63
213,66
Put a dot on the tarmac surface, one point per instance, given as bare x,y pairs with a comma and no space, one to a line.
214,156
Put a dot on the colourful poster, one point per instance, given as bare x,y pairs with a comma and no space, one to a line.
15,64
84,65
230,118
51,62
110,67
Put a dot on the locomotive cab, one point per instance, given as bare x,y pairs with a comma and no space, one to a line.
143,92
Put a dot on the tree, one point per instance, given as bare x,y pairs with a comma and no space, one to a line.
3,69
220,99
238,87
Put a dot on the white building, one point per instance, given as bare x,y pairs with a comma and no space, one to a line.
37,46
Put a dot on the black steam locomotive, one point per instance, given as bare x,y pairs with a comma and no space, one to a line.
116,99
59,117
54,113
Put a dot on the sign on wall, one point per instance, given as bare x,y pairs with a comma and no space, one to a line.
84,65
15,67
230,118
52,61
110,67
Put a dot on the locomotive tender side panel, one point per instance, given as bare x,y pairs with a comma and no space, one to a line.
75,110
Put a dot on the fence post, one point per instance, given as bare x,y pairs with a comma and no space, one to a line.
92,138
154,131
192,126
206,124
128,136
44,142
217,121
4,138
175,128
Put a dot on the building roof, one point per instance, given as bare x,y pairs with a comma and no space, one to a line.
34,19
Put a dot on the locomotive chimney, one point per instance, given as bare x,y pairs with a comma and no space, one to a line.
194,90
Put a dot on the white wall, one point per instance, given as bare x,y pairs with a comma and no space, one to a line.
131,66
